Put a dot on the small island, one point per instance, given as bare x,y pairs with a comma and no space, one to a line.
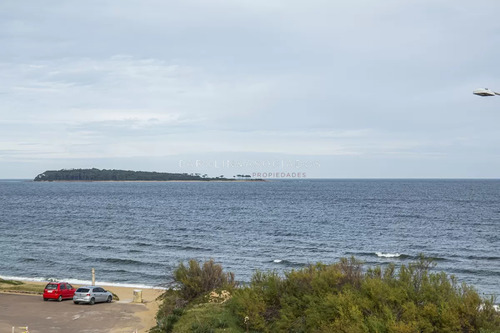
121,175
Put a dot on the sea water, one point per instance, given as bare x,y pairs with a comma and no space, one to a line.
136,233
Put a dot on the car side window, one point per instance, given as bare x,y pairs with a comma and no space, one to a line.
69,286
62,286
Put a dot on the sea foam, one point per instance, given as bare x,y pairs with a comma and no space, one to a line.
79,282
388,255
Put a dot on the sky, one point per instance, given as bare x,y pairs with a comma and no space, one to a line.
290,89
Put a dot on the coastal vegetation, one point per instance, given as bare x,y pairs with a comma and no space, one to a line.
341,297
119,175
14,286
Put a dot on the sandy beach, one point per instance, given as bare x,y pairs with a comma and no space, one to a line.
19,309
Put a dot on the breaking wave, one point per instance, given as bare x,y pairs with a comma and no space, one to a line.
389,255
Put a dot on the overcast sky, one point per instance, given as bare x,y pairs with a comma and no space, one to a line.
353,89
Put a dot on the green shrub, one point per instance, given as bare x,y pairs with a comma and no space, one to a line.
194,281
249,305
341,298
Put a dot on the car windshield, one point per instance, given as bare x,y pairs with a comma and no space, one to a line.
51,286
82,290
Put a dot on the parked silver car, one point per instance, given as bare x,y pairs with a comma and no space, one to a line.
91,295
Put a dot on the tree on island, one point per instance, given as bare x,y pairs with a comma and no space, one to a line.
117,175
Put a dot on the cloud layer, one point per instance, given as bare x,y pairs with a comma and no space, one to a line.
369,89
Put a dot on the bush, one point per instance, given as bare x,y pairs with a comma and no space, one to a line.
194,281
341,298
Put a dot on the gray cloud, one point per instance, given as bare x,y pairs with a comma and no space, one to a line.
349,82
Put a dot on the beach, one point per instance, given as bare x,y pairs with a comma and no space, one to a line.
19,309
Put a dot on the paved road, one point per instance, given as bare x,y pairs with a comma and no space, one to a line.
59,317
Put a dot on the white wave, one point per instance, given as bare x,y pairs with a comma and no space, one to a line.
277,260
387,255
20,278
80,282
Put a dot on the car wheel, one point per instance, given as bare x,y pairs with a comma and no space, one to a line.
45,299
76,302
109,299
92,301
59,299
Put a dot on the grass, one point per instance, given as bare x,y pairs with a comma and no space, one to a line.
205,318
11,282
20,287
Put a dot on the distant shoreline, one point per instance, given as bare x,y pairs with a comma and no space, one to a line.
153,181
92,175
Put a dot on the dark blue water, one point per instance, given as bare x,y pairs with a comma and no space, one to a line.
136,233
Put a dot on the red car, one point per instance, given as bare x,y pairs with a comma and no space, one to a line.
58,291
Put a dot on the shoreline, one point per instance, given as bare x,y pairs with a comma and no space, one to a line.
42,280
151,181
113,175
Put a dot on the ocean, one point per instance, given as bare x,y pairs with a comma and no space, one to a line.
135,234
